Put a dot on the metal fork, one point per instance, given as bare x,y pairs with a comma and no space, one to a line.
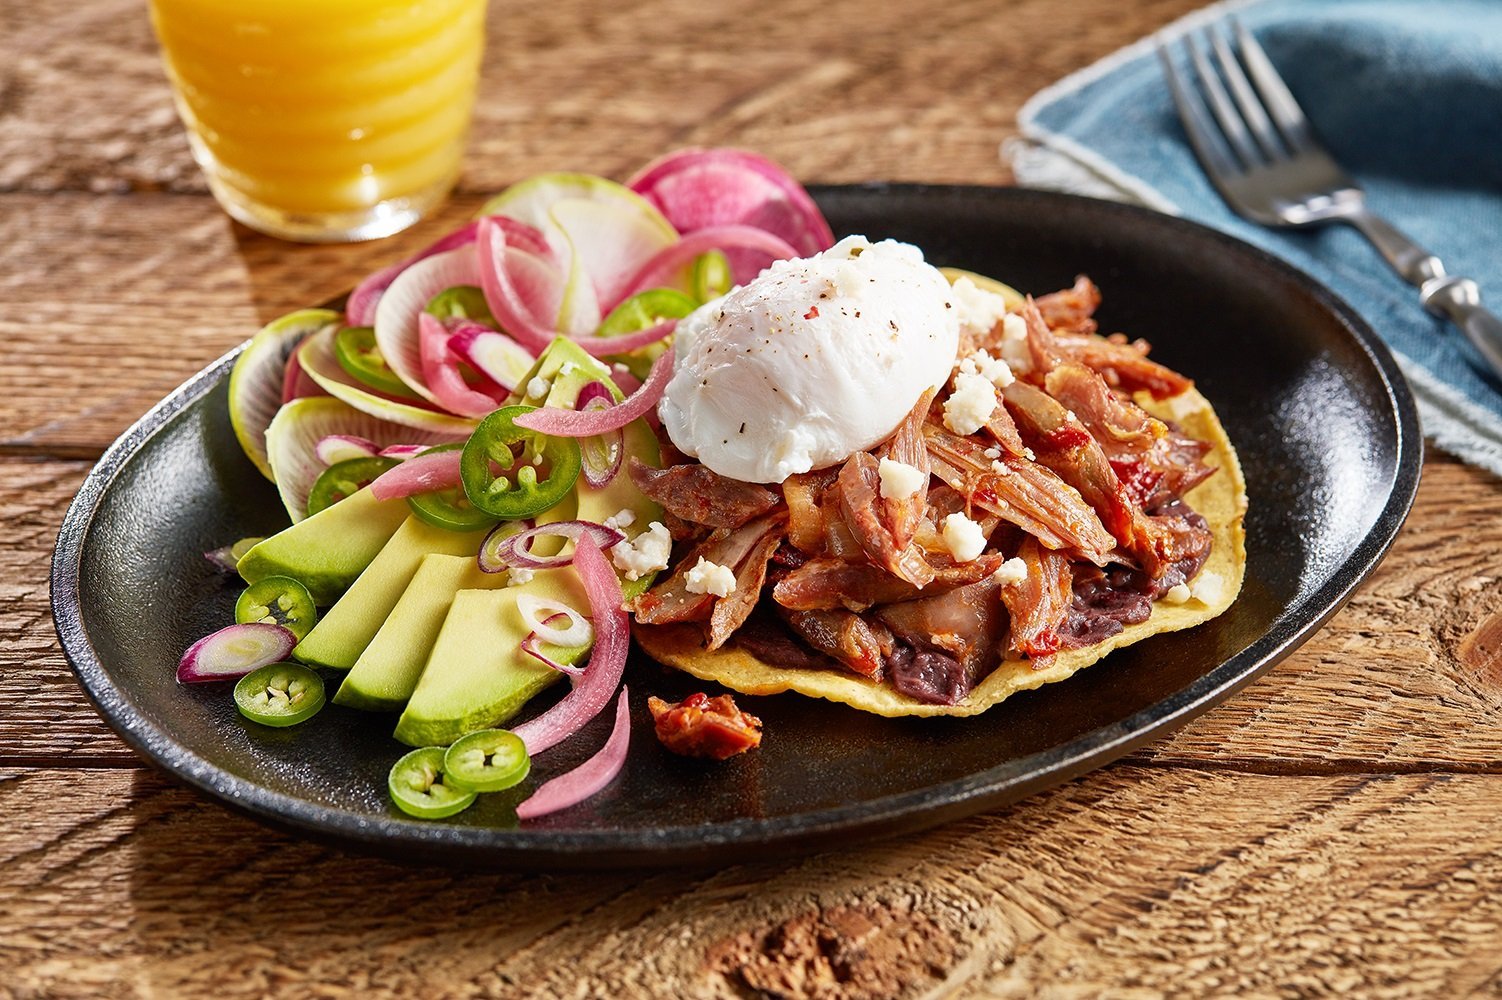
1263,157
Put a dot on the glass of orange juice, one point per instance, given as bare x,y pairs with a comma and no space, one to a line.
324,120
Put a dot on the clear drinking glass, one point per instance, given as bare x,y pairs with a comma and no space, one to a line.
324,120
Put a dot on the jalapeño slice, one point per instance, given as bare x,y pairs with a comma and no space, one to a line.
510,472
360,356
344,478
278,600
647,309
419,787
487,761
712,277
449,509
461,302
279,694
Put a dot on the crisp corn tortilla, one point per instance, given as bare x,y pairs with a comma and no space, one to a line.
1221,499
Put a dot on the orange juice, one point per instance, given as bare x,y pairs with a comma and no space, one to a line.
324,119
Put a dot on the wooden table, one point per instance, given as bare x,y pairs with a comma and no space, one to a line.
1333,829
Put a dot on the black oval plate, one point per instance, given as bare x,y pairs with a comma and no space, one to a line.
1323,422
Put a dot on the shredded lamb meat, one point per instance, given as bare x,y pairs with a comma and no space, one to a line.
1069,475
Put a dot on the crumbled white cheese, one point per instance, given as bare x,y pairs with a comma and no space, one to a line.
1177,594
1014,343
963,538
1208,588
537,387
1014,570
992,369
999,467
992,453
646,553
970,405
898,479
519,575
979,310
567,368
623,518
707,577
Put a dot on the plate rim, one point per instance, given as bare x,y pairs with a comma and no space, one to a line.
890,815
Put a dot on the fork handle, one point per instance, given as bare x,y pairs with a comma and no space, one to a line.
1442,294
1460,299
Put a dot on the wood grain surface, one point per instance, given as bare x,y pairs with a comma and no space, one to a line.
1333,830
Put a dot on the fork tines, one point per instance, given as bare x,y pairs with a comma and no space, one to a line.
1255,118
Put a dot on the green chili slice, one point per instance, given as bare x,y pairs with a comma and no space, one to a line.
510,472
344,478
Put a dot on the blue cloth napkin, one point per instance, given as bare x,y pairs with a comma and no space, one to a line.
1408,95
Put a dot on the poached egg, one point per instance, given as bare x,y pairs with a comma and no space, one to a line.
813,360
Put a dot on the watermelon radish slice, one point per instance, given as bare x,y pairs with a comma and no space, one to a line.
292,443
699,188
361,307
318,359
256,383
600,233
524,290
494,355
396,325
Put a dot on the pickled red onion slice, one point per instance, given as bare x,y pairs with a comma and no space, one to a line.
440,369
588,423
360,309
573,787
661,269
607,662
423,474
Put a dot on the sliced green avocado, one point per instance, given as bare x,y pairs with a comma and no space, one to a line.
344,631
477,676
326,552
383,677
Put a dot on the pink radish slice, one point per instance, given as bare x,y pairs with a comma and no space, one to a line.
588,778
360,309
334,448
298,384
491,353
440,371
506,548
607,661
423,474
660,269
397,332
699,188
588,423
402,452
521,287
234,652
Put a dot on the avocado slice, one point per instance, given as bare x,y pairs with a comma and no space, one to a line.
383,677
344,631
477,676
327,551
